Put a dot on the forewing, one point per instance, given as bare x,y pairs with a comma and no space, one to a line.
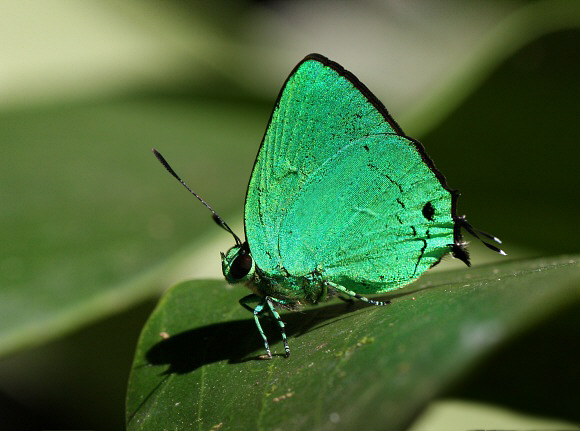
332,187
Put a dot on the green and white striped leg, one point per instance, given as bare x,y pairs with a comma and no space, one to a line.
269,300
348,292
259,310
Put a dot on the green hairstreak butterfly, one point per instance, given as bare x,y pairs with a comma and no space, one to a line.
340,200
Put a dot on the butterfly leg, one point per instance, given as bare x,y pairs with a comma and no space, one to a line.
259,309
269,300
352,294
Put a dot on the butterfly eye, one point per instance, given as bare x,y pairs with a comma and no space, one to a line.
241,265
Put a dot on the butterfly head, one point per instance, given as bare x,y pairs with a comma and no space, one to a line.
238,264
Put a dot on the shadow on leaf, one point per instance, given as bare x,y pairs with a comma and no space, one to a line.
236,340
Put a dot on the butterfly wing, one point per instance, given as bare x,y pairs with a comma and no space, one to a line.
337,188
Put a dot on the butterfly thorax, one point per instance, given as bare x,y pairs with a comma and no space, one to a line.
238,266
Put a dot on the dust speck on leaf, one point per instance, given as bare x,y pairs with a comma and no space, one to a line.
283,397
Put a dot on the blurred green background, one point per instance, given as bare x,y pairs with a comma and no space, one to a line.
93,229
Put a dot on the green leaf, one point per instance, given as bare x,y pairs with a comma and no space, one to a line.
197,364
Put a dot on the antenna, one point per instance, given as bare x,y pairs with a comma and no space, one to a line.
215,215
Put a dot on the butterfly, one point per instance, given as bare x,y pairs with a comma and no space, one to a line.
340,200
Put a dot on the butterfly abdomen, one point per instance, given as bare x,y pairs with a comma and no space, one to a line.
301,289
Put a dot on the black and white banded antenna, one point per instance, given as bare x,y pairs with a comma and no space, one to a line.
214,215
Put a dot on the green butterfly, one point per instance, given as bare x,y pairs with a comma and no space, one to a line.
340,200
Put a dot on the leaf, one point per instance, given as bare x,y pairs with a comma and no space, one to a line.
197,363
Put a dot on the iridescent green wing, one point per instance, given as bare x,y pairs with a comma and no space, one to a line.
337,188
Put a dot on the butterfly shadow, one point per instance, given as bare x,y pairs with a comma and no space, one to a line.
238,341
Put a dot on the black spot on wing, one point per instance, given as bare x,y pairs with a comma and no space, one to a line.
428,211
